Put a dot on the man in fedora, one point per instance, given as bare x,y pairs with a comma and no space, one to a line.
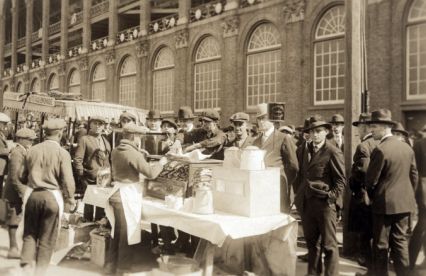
240,137
337,125
185,119
399,132
320,196
280,152
152,142
92,153
391,180
360,217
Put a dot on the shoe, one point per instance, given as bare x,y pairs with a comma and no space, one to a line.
362,261
13,253
304,258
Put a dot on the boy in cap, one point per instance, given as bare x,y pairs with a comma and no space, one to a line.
391,180
241,137
92,153
319,196
14,189
48,172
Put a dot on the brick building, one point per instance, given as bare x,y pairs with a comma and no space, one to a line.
224,54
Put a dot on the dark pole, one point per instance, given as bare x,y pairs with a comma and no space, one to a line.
41,127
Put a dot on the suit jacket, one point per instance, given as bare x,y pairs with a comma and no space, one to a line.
323,170
281,153
4,154
420,154
334,143
392,177
14,189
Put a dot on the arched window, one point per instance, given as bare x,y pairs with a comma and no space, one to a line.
53,82
74,82
127,94
329,57
163,80
99,82
416,51
20,87
263,65
207,73
35,85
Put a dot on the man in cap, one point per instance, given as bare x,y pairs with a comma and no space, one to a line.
127,163
92,154
14,189
171,144
337,124
209,136
4,150
360,216
391,180
319,196
418,239
115,137
240,137
48,172
280,152
127,117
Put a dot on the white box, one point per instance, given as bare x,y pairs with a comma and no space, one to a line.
246,193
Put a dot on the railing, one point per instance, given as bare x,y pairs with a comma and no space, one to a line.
99,9
55,28
21,42
206,10
20,68
76,18
99,44
163,24
7,72
8,47
127,35
53,58
125,2
246,3
75,51
34,36
37,63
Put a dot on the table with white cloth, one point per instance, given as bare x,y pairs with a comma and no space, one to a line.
274,237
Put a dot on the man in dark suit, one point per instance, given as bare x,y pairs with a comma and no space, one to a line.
280,152
418,239
319,196
360,220
337,125
391,180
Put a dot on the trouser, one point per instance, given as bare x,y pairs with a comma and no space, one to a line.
418,239
390,232
285,195
319,226
119,251
40,229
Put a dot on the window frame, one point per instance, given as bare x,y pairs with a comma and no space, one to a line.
164,68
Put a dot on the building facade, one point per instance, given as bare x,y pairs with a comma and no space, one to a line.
223,54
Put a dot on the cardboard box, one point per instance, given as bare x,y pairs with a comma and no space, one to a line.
246,193
74,234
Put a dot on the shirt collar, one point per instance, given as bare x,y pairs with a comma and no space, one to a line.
386,136
320,145
268,133
19,145
53,141
367,136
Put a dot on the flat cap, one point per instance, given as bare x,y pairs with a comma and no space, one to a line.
133,128
127,115
170,122
53,124
99,119
26,133
210,115
240,116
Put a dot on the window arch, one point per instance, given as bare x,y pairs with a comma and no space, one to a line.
53,82
416,51
127,94
207,73
163,80
35,85
329,57
20,87
74,82
99,82
263,65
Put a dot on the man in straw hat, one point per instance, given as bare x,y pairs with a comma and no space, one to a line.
48,173
280,152
360,216
391,180
14,189
320,196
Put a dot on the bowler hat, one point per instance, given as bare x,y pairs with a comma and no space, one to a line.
363,118
400,128
133,128
154,114
317,121
240,117
381,116
169,121
210,115
26,133
127,115
54,124
185,112
99,119
337,119
262,109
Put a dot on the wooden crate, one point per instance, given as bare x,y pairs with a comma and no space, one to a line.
99,248
246,193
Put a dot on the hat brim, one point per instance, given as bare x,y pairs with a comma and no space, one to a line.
238,120
98,120
206,119
187,118
326,125
382,122
337,122
357,123
401,131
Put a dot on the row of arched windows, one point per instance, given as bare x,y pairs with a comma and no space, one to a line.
263,66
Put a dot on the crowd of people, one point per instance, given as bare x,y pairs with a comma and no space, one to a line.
387,181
